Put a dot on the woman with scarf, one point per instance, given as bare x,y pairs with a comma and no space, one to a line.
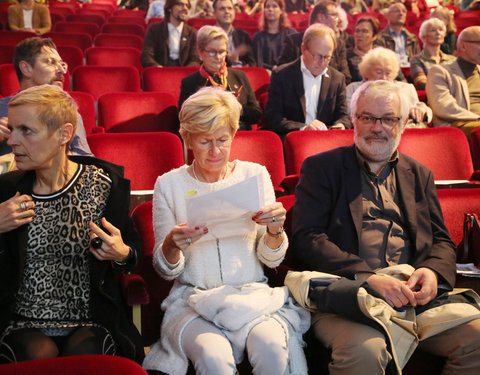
212,46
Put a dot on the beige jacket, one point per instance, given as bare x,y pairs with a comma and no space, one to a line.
41,22
448,94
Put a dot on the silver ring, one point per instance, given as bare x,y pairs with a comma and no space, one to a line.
273,219
24,206
188,240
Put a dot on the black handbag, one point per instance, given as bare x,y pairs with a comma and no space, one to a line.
468,251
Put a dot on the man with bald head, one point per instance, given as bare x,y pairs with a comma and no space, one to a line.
453,88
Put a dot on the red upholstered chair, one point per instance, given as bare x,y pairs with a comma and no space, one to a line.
259,79
86,108
6,54
12,38
72,55
127,20
99,6
61,11
138,112
75,365
130,13
154,20
475,145
98,80
118,40
123,28
88,12
444,150
145,156
80,40
166,79
77,27
114,56
8,80
94,18
198,22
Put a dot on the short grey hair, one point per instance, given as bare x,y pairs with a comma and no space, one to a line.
431,22
378,89
318,30
208,33
378,55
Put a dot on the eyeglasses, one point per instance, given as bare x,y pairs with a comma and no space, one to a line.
50,61
219,143
318,57
387,121
213,53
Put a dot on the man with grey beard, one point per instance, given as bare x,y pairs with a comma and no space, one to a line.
365,207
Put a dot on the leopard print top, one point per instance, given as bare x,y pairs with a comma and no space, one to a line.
55,284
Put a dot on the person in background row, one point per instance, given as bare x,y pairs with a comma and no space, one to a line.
446,15
432,34
220,305
212,45
29,16
268,43
155,10
59,294
171,42
201,9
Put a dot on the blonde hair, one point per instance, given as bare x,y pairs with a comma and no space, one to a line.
446,13
318,30
378,55
53,105
207,110
431,22
208,33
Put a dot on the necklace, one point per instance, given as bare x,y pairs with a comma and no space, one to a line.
196,177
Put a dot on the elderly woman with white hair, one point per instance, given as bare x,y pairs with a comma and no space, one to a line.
382,64
432,34
220,304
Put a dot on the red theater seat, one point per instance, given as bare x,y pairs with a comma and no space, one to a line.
114,56
166,79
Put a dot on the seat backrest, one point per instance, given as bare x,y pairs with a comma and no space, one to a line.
259,79
99,6
77,26
123,28
72,55
88,12
444,150
80,40
127,20
6,54
475,145
98,80
301,144
113,56
86,108
130,13
262,147
118,40
166,79
8,80
94,18
145,156
138,112
12,38
455,203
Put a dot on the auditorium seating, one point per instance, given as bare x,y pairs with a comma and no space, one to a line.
72,55
80,40
86,108
123,28
166,79
259,79
6,54
101,12
8,79
127,20
145,156
118,40
98,80
99,6
130,13
77,27
114,56
138,112
12,38
475,146
94,18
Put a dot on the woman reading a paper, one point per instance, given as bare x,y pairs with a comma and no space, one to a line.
220,304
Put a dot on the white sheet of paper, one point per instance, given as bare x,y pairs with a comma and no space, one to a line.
232,203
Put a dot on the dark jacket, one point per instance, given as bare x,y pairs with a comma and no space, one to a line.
327,216
412,47
241,37
156,51
286,110
107,306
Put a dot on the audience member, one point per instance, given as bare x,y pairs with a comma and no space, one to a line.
382,6
446,15
201,9
134,5
29,16
365,36
432,33
307,94
354,6
212,46
325,13
267,43
171,42
239,42
60,295
37,62
382,64
453,88
155,9
296,6
396,37
222,261
362,208
253,6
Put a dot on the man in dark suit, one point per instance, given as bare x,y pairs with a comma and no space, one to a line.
365,207
239,42
307,94
325,13
171,42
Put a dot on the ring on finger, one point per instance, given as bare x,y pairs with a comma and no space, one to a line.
188,240
24,206
273,219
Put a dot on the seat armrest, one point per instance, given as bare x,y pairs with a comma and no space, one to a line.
289,182
98,130
134,289
475,175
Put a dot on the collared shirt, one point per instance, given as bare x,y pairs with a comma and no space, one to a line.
400,46
174,36
312,86
27,18
384,240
